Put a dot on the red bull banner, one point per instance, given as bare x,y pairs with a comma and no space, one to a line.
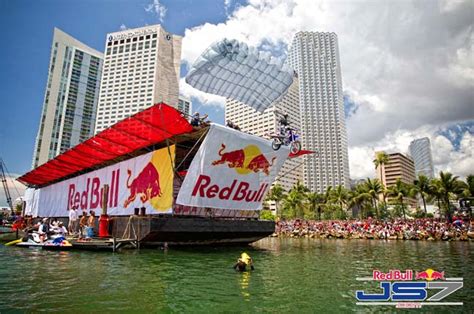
143,181
231,170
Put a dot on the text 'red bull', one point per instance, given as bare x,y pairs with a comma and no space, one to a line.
237,191
91,197
394,274
146,184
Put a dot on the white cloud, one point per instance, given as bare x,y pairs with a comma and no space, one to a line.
157,8
408,65
204,98
445,155
227,4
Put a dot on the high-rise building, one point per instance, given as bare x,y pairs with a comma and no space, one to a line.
315,57
70,102
253,122
420,151
185,105
400,167
141,68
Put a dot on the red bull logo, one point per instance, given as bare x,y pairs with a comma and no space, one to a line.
146,185
246,160
429,275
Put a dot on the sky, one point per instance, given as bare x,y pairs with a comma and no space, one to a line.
407,66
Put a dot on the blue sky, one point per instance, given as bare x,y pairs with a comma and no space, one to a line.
27,34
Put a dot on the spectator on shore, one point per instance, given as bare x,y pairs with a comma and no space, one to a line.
416,229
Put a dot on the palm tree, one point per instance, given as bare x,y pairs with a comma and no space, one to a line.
374,188
399,191
421,186
435,191
339,195
277,194
381,159
358,198
449,185
469,186
316,202
293,204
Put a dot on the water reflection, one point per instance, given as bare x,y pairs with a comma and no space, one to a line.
292,275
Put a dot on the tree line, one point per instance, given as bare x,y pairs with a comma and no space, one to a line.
371,198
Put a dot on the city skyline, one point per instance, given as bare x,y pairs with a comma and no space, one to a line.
387,103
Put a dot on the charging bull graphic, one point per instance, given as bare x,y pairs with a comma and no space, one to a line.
247,160
146,184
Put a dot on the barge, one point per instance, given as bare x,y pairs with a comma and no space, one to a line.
192,185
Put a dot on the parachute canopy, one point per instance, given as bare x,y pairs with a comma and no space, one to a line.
231,69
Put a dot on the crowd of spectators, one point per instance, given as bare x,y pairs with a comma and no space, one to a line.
397,229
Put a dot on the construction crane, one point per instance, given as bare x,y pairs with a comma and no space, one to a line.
5,184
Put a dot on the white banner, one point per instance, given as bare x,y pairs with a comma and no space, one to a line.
231,170
143,181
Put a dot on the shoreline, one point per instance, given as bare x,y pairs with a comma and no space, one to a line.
463,238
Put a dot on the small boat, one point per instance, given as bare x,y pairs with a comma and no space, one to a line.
56,243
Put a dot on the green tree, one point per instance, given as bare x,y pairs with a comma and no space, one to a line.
360,198
436,192
449,185
374,188
399,191
469,186
277,194
316,202
340,196
381,159
293,204
421,186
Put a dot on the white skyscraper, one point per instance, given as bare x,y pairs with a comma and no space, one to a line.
420,151
141,68
253,122
315,57
185,105
70,101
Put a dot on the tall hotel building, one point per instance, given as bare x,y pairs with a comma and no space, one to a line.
253,122
420,151
70,101
141,68
315,57
400,167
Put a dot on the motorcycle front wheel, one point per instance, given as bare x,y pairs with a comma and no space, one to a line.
276,144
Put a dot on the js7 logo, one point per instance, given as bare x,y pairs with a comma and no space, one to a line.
408,294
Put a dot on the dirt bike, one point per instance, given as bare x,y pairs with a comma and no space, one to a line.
291,140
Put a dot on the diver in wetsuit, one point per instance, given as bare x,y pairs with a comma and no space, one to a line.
244,261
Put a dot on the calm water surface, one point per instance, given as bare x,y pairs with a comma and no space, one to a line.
292,275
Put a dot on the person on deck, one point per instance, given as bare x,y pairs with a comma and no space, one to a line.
197,120
73,221
83,224
90,225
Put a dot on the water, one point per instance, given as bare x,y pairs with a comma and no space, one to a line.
292,275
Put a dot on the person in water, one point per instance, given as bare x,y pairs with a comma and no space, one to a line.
244,261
